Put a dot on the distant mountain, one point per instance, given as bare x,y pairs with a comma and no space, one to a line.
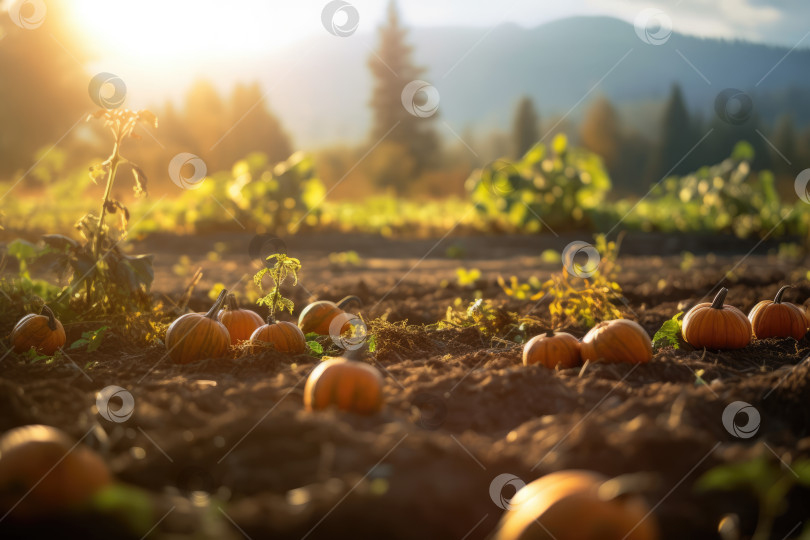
320,88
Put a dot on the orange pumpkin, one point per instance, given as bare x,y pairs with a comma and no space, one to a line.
283,336
241,323
43,471
43,332
569,505
617,341
317,316
348,385
194,336
715,325
552,350
777,318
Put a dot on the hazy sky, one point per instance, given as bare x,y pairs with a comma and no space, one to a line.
782,22
166,29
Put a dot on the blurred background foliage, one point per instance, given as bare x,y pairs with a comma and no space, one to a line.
586,174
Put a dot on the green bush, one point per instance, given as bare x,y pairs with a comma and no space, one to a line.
558,187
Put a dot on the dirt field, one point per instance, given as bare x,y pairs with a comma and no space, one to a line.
225,449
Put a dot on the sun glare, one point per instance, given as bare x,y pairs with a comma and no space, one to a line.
157,31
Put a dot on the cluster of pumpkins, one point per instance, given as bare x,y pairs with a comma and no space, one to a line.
347,384
541,509
713,325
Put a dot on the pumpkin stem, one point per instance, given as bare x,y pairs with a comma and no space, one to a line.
778,298
348,300
549,333
212,313
230,302
51,318
717,303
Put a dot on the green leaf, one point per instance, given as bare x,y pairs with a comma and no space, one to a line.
142,268
668,333
372,343
802,468
78,343
92,339
60,242
315,347
24,252
257,279
129,504
758,474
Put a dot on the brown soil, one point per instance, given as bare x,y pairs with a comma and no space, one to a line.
460,408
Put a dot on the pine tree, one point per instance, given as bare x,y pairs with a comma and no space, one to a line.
204,114
601,133
677,139
393,69
785,140
525,127
253,127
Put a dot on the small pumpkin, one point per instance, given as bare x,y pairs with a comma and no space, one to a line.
716,325
551,350
346,384
777,318
241,323
574,505
317,316
42,471
44,332
195,336
617,341
282,335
